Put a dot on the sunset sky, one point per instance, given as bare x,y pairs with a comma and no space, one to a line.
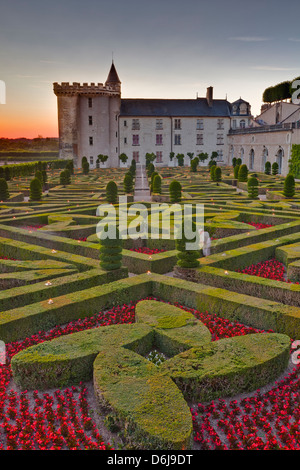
161,49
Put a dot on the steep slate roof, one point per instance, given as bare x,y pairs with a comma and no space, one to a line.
113,76
162,107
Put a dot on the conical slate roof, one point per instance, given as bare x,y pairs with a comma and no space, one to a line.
113,76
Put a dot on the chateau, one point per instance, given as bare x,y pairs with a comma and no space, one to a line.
93,119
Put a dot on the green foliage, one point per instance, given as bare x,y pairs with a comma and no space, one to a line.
190,155
212,163
39,175
239,161
213,172
85,168
157,184
180,159
175,191
102,158
153,174
267,168
7,173
35,190
150,158
294,162
45,176
234,162
83,160
4,193
253,188
65,177
70,167
112,192
110,252
202,156
236,171
217,173
123,157
289,186
187,258
128,183
172,155
275,169
150,170
243,174
279,92
194,164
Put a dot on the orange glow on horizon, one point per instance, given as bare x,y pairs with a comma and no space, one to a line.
14,128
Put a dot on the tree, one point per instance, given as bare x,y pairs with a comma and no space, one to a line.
243,174
214,155
4,193
172,155
102,158
85,168
289,186
180,158
39,175
234,162
112,192
190,155
150,157
236,171
218,173
267,168
239,161
128,183
194,164
252,187
157,184
175,191
202,157
83,160
212,163
45,176
187,258
35,190
150,170
123,157
275,169
212,172
110,251
294,162
70,167
65,177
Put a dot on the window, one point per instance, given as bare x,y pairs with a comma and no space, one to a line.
200,124
242,124
220,140
125,123
159,139
199,139
90,120
220,155
177,139
125,140
90,102
91,160
135,139
159,124
234,124
91,140
220,123
158,157
136,156
177,124
135,124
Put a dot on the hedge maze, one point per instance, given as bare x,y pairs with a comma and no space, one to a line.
221,331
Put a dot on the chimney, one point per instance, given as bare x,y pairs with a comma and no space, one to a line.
209,96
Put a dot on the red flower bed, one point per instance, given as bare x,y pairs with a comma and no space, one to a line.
270,269
147,251
61,420
260,226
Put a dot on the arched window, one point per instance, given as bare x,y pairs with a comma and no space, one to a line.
264,159
279,157
251,160
242,124
242,154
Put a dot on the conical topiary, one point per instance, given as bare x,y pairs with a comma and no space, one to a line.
187,258
4,193
267,168
252,187
218,174
212,172
157,184
243,174
128,183
85,168
39,175
35,190
275,169
236,171
289,186
175,191
110,251
112,192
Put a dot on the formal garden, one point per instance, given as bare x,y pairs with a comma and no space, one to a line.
140,343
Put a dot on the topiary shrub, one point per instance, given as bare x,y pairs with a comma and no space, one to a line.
112,192
4,193
236,171
39,175
234,162
150,170
110,251
175,191
70,167
267,168
212,172
253,188
83,160
289,186
218,174
152,179
85,168
239,161
65,178
187,258
194,164
275,168
128,183
243,174
157,184
35,190
7,173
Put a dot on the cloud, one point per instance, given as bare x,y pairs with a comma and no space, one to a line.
294,39
250,38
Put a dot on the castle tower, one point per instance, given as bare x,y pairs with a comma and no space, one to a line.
88,120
